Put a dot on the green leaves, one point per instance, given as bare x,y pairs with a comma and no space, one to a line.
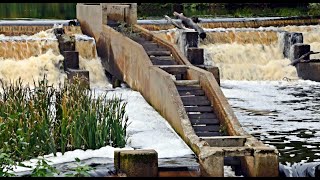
80,170
43,169
45,120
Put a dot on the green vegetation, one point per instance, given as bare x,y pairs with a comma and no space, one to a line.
43,169
158,10
45,120
80,170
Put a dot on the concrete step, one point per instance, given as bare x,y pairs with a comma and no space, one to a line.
188,88
175,69
195,100
163,60
186,82
202,116
207,128
208,134
213,121
198,109
195,92
158,53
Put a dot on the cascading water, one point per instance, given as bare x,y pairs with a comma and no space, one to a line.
32,57
268,98
248,59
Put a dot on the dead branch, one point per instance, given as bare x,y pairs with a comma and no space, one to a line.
301,58
173,22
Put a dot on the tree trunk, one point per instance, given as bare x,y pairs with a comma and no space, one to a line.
187,22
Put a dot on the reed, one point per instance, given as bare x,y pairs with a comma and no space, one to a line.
47,119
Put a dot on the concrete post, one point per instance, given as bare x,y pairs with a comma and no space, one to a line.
137,163
299,49
195,55
291,38
79,76
212,163
187,39
71,60
266,163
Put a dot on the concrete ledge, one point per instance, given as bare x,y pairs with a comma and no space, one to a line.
309,71
136,163
226,141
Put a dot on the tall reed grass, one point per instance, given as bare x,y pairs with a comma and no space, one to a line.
44,119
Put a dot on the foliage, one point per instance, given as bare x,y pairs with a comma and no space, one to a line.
126,30
6,165
45,120
43,169
80,170
314,9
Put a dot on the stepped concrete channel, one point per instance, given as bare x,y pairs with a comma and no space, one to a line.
187,96
184,91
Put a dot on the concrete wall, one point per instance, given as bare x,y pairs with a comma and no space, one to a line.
129,60
91,20
30,30
244,23
155,85
241,37
125,12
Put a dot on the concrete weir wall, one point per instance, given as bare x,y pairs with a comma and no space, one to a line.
127,59
18,30
238,22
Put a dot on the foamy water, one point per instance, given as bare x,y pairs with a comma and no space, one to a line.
32,57
249,61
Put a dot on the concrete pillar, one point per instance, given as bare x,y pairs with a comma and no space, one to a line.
213,69
66,43
79,76
195,55
136,163
211,163
291,38
187,39
299,49
71,60
266,163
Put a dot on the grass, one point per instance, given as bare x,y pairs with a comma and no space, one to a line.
45,119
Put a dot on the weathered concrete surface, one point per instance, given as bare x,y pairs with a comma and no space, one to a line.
18,30
290,39
309,71
129,60
137,163
157,25
225,141
78,76
297,50
91,21
125,12
306,70
248,36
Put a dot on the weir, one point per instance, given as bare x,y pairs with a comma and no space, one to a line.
188,97
176,76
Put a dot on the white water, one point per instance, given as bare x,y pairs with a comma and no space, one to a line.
32,57
281,113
